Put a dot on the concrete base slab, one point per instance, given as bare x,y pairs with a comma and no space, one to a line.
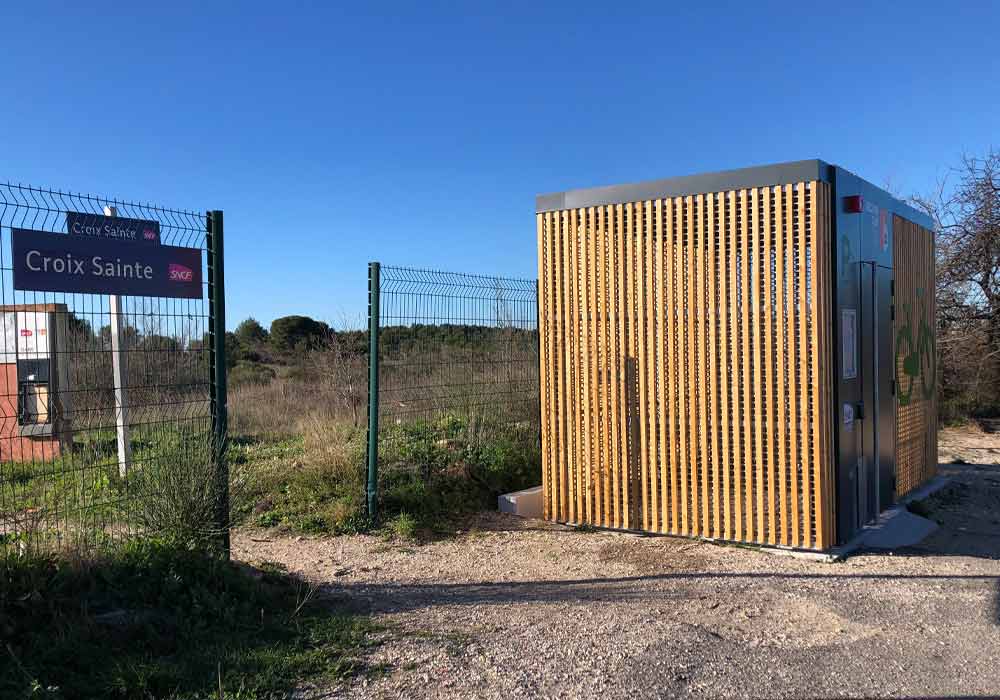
896,527
526,504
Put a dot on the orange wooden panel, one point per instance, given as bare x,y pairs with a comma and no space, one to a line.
684,369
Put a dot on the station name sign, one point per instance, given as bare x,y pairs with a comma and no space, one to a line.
119,228
56,262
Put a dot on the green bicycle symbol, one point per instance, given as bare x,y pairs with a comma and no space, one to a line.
918,358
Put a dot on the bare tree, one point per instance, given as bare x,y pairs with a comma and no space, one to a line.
966,213
344,373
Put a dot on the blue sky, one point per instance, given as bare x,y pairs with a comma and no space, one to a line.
419,133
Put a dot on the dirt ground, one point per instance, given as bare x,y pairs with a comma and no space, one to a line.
515,608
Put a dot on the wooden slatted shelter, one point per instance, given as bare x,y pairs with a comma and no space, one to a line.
721,354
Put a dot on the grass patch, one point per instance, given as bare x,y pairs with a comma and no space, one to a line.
437,471
154,620
431,473
310,483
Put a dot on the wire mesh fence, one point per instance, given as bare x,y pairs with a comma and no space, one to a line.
94,449
456,365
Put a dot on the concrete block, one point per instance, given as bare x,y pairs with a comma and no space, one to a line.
526,504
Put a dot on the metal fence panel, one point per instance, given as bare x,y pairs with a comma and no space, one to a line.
66,478
446,346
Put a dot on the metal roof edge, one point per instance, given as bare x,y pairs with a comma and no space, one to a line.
757,176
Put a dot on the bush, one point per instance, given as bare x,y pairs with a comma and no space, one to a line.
178,495
251,373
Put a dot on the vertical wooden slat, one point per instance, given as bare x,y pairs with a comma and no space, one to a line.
807,223
605,368
745,354
684,333
768,358
629,379
722,345
691,362
663,467
574,345
652,362
544,349
734,410
586,342
701,466
642,360
801,533
759,356
673,302
622,364
615,271
562,352
712,385
778,408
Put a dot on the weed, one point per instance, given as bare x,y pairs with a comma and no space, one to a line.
403,526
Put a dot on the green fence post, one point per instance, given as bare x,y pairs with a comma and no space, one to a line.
374,275
217,367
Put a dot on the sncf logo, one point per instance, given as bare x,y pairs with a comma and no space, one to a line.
179,273
149,234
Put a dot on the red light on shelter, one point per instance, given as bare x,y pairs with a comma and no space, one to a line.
854,204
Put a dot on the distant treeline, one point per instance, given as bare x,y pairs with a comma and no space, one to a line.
290,336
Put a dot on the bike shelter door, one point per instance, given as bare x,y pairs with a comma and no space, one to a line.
876,481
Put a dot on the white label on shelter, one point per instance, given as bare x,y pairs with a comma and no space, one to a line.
848,416
849,340
25,335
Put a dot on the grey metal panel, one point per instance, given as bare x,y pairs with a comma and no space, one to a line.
866,459
847,390
760,176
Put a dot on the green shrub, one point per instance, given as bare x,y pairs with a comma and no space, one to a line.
177,490
251,373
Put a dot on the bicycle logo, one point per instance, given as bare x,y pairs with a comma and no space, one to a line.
918,358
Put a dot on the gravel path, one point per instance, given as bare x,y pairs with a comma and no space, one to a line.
514,608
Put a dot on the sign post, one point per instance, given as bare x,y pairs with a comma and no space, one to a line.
120,371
